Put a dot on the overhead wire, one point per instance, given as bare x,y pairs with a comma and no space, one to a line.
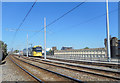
60,17
81,22
89,20
94,18
65,14
54,21
23,21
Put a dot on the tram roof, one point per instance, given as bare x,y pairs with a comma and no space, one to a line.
37,46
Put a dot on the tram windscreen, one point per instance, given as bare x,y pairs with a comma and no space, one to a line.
37,49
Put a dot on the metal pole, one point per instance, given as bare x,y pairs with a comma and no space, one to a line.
108,36
44,38
27,44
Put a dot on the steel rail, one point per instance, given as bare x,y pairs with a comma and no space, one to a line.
86,67
74,79
97,63
81,66
117,78
27,71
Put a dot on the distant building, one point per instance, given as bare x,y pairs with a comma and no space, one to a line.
54,48
47,50
113,46
66,48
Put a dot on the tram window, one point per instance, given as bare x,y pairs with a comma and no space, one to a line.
37,49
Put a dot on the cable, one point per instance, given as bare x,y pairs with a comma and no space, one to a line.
94,18
87,20
65,14
61,16
23,21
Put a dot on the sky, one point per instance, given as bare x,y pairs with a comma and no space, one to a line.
83,27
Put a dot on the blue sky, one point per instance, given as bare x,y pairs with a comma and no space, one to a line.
85,26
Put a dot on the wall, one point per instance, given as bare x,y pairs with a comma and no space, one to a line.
91,54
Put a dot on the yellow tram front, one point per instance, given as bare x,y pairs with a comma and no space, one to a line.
37,51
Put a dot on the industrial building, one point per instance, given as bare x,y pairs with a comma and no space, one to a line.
66,48
119,48
113,46
54,48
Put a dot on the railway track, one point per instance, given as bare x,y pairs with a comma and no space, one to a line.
92,63
26,71
102,73
50,75
102,64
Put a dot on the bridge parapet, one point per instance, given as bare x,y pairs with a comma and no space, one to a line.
91,54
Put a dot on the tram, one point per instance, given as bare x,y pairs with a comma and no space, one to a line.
33,51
